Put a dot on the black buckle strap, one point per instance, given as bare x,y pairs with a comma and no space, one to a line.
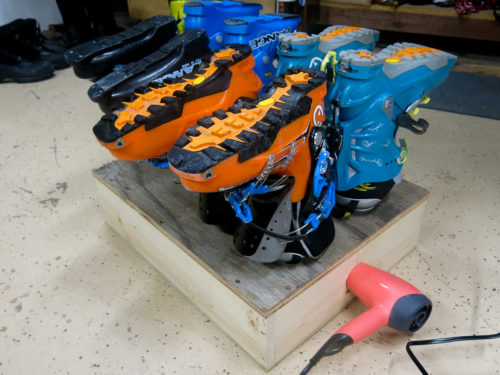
404,120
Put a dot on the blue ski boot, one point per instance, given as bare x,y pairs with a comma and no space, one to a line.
262,34
210,16
374,94
300,49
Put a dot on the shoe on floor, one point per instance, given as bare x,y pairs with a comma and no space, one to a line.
20,60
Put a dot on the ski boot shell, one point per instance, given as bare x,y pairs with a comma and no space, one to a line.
180,56
210,16
373,93
98,57
149,126
300,49
262,34
233,147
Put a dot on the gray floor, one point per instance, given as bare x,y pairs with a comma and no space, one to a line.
76,298
468,94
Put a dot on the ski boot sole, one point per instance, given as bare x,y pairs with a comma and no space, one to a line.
233,147
149,126
178,57
98,57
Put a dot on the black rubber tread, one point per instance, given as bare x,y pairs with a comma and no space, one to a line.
173,105
113,89
97,57
297,104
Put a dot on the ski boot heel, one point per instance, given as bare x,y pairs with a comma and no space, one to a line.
261,33
300,49
180,56
149,126
210,16
98,57
374,94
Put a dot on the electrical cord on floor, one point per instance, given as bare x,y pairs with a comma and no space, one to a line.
443,341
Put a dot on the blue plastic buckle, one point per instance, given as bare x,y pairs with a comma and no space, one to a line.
237,199
240,207
159,163
327,202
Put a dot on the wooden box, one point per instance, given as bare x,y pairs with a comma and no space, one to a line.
268,310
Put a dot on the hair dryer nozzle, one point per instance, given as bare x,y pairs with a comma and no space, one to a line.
410,313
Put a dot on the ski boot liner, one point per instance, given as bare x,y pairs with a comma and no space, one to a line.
300,49
98,57
262,34
180,56
375,94
149,126
230,148
210,16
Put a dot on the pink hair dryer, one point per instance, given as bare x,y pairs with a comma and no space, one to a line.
391,301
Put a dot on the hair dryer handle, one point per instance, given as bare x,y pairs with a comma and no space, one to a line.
365,324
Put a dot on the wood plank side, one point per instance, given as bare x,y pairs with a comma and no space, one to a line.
324,298
410,21
234,316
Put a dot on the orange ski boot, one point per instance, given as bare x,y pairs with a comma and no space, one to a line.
149,126
268,135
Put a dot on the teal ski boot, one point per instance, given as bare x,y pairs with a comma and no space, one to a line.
320,51
300,49
374,95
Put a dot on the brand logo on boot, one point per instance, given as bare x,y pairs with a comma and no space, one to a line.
315,62
268,38
185,69
318,112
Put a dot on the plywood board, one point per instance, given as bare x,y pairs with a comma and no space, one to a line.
267,309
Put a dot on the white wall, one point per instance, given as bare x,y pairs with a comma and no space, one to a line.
44,11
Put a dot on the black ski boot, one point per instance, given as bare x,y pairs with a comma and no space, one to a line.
180,56
97,57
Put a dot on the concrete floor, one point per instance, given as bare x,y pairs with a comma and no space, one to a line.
76,298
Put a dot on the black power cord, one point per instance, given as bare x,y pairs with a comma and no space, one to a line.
443,341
